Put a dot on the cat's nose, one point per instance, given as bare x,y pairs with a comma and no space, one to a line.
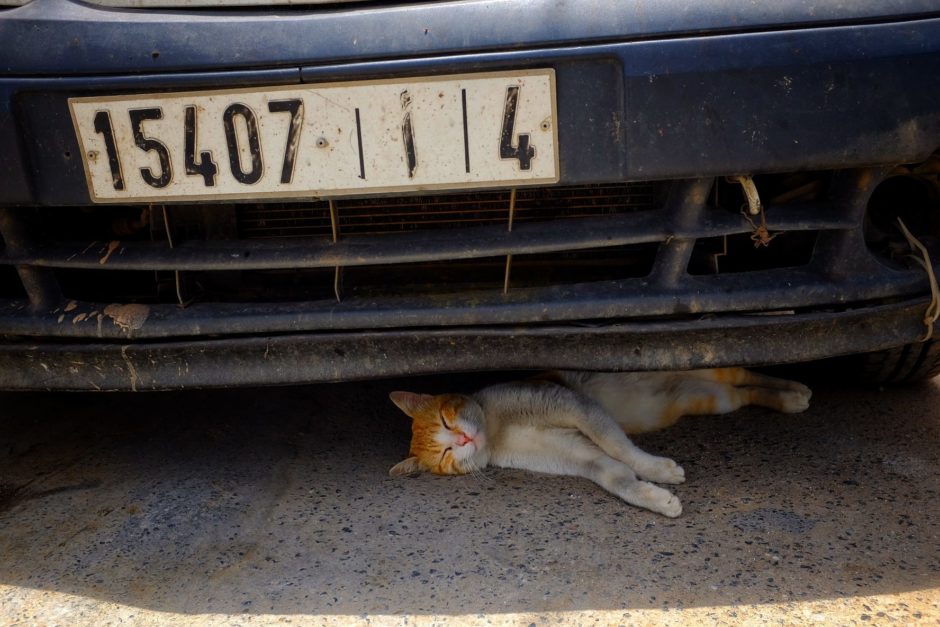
463,439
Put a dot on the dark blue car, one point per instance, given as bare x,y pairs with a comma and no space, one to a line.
201,193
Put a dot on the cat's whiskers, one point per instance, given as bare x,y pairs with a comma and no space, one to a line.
475,471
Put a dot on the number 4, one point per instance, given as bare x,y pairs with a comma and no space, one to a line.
522,150
205,166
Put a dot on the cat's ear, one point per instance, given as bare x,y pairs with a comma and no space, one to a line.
411,403
409,467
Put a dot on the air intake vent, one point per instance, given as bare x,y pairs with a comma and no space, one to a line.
373,216
612,251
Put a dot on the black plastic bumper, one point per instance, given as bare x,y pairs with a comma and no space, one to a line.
289,359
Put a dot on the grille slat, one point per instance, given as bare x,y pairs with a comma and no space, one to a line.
470,242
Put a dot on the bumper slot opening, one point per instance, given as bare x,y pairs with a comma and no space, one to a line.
911,193
737,253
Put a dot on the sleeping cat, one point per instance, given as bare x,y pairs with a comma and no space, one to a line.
575,423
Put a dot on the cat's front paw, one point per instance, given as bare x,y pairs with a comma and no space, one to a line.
662,470
657,499
672,507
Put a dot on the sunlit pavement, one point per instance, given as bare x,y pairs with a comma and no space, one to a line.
274,506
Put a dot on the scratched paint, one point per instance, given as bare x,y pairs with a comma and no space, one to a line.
112,246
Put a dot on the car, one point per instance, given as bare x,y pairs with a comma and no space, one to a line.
212,193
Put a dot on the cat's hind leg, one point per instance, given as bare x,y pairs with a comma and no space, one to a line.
788,401
725,390
779,394
741,377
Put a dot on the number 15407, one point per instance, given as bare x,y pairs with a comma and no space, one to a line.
462,131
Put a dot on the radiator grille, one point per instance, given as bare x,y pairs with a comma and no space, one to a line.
373,216
589,252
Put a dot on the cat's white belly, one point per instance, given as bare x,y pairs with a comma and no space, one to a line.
549,450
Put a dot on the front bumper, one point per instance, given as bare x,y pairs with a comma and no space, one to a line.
674,98
293,358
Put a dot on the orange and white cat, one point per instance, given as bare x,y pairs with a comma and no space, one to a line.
576,423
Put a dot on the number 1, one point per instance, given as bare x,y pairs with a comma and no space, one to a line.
408,134
103,126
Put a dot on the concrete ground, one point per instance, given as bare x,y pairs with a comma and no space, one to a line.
275,506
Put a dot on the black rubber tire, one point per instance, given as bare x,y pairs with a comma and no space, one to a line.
908,364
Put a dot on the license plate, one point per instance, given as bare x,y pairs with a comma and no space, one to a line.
334,139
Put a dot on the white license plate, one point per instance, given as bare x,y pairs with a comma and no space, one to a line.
455,132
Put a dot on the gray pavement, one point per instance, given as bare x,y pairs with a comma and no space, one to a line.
274,505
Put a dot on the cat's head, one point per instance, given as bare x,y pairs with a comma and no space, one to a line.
447,434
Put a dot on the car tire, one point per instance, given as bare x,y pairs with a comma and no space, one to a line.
908,364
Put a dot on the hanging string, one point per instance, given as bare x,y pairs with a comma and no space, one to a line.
933,309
